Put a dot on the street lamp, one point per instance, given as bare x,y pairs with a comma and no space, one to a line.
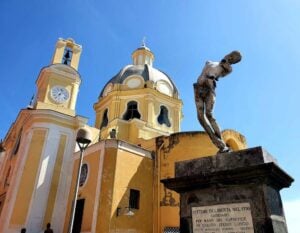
83,139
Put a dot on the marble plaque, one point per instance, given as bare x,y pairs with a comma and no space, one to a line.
227,218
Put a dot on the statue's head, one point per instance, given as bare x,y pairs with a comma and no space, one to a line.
233,57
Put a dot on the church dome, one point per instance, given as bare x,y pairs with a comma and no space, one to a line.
141,74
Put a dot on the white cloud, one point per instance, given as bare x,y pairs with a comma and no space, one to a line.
291,210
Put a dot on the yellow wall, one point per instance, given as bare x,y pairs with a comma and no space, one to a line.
122,170
179,147
132,172
87,191
107,186
27,182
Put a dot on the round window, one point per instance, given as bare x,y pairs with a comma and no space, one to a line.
134,82
83,174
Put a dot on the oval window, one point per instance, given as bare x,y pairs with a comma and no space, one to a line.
83,174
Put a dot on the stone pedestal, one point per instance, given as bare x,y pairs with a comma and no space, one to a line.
234,192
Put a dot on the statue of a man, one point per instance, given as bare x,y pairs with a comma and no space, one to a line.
205,96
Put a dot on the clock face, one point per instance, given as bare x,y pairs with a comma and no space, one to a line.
59,94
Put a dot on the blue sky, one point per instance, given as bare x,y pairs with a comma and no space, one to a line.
260,98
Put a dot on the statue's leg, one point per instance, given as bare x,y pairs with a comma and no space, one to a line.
209,104
201,118
217,137
201,107
200,112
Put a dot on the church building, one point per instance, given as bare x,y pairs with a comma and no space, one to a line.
136,141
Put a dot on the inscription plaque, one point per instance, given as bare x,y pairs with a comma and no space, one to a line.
227,218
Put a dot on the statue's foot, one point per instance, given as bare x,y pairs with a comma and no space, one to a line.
224,150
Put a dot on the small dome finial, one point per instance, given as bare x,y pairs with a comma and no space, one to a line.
143,55
144,41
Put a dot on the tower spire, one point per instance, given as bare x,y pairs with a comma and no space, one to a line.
144,41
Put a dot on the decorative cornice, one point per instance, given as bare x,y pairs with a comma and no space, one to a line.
29,116
62,70
117,144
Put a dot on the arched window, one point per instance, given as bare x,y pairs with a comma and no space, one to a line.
163,116
104,119
6,182
132,111
67,56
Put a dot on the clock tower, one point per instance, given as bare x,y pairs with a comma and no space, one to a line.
58,83
40,146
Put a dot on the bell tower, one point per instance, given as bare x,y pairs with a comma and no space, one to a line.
58,83
67,52
40,146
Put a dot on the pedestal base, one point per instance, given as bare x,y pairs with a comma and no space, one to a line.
233,192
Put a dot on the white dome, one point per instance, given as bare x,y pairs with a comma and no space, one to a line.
162,82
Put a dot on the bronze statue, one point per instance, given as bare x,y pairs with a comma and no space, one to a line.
205,95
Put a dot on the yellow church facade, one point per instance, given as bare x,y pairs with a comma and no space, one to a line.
136,143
